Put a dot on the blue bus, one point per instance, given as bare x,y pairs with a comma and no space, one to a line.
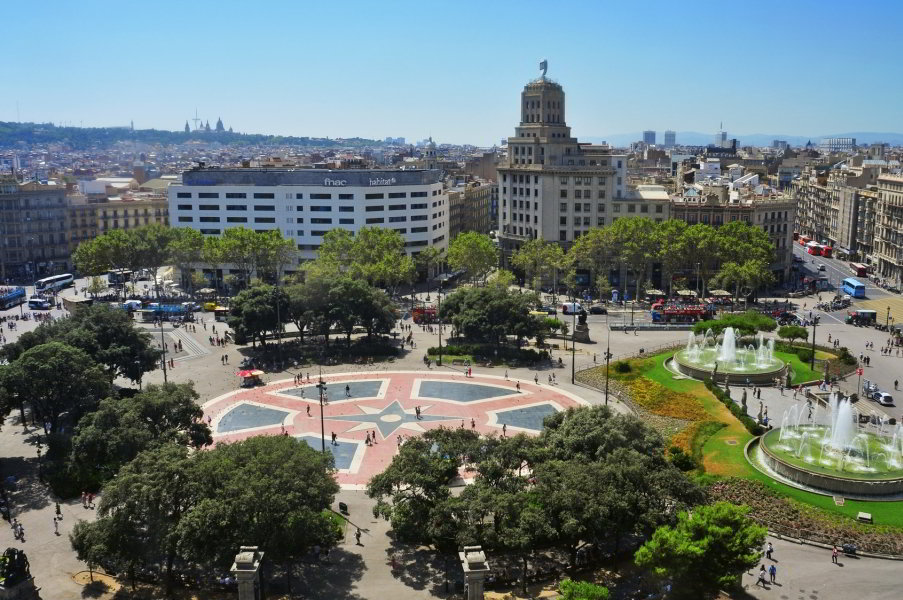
10,297
854,287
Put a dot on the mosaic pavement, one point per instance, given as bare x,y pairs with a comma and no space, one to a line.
383,404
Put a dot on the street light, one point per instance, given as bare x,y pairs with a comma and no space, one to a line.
163,346
887,322
439,319
607,357
321,386
814,326
573,339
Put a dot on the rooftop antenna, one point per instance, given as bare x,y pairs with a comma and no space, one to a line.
195,119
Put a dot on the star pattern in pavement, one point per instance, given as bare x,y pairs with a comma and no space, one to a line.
389,419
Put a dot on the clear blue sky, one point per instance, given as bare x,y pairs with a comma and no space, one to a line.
454,69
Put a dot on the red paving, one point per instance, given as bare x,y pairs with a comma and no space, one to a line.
370,460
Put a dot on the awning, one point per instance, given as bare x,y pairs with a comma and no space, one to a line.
206,291
655,293
686,293
718,293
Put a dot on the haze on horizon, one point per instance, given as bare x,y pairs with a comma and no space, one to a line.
454,71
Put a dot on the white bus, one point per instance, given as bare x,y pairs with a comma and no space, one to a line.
57,282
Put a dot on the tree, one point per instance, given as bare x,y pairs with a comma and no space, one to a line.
739,242
473,253
596,251
538,259
121,428
702,244
268,491
186,248
273,253
239,246
490,313
793,332
730,275
349,299
581,590
55,379
672,251
706,551
253,313
426,258
636,240
96,286
380,257
153,244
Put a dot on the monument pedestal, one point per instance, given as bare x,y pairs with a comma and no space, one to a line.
473,560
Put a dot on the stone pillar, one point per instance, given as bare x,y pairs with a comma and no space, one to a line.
246,569
473,560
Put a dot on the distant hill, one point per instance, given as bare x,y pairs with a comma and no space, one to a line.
14,134
695,138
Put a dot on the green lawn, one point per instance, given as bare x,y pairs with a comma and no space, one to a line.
729,459
801,370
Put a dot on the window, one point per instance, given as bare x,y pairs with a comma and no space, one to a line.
586,207
236,207
417,206
180,207
374,220
562,193
418,194
402,230
398,194
601,194
321,196
186,219
562,220
563,207
374,196
346,221
658,208
397,207
346,209
208,219
321,221
208,207
264,219
418,217
601,181
183,195
577,207
236,219
208,195
265,207
617,208
346,196
320,208
644,208
264,196
398,219
318,233
631,208
577,221
299,220
210,231
375,208
416,243
563,180
600,221
562,236
418,229
578,194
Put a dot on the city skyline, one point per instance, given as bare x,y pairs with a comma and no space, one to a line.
399,70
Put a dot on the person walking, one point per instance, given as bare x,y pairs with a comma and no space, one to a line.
504,429
334,443
896,383
761,576
834,554
769,551
357,536
772,572
56,526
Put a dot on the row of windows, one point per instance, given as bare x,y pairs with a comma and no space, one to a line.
631,208
300,196
257,195
184,219
323,208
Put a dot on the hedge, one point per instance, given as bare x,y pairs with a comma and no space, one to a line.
505,352
736,410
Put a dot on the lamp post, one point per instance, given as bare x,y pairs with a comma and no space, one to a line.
573,339
137,363
698,293
439,319
163,346
321,386
887,321
814,326
607,357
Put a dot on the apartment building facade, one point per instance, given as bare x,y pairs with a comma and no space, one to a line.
33,237
889,228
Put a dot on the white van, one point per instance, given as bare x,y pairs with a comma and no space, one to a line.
569,308
38,303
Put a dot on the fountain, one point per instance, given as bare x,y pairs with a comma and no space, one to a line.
728,361
850,461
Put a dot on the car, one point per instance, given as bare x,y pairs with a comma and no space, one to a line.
569,308
821,267
550,310
884,399
797,259
598,309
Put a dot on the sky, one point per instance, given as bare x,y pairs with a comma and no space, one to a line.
454,70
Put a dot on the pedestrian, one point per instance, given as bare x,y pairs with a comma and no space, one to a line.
473,423
896,383
357,536
347,391
15,527
550,380
506,374
367,441
769,551
84,500
536,378
56,526
90,500
834,554
58,511
761,576
517,385
504,429
334,443
772,572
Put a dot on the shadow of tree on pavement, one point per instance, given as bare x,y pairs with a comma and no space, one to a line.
334,578
422,568
28,493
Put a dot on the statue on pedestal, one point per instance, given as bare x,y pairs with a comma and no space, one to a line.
14,568
743,400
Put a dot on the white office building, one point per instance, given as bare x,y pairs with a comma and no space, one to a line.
306,203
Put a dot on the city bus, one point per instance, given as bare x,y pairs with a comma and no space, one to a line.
118,276
10,297
804,239
859,269
52,284
826,251
813,248
854,287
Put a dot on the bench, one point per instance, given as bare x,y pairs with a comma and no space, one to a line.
864,517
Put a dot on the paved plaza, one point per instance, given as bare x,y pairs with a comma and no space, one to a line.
382,406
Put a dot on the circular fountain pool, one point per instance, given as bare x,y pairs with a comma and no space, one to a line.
728,359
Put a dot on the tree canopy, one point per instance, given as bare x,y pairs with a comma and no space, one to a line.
707,550
488,314
474,253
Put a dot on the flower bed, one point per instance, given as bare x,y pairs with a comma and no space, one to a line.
788,517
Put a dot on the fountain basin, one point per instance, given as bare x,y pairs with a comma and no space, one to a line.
833,471
734,372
